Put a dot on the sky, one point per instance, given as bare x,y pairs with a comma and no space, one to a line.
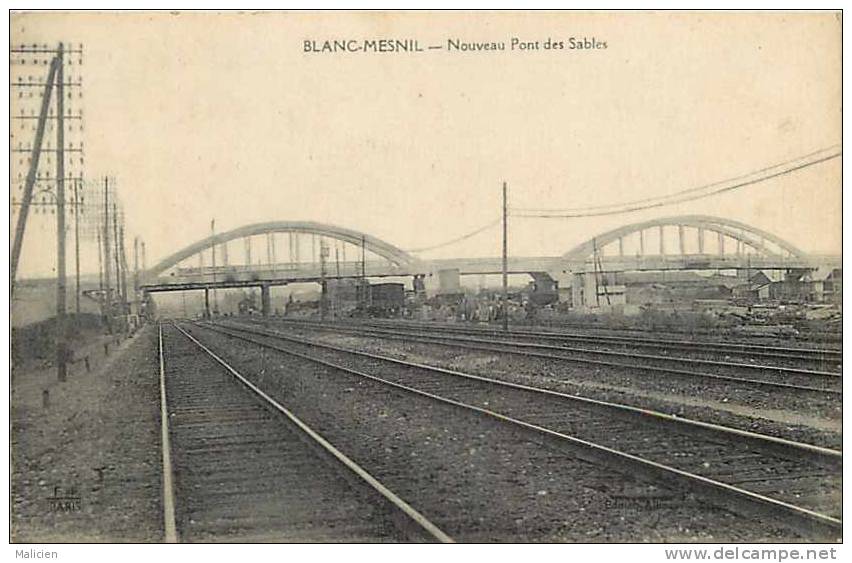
201,116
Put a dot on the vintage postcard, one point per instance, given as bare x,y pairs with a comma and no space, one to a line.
426,276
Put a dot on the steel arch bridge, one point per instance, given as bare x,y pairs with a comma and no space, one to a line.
750,247
396,258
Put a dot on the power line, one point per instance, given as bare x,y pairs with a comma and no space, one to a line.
684,196
814,154
464,237
691,194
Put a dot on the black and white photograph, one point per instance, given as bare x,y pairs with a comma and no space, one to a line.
426,276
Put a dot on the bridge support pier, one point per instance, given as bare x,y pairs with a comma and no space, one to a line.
578,290
207,303
265,302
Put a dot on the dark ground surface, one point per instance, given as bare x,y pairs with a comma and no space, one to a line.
34,345
802,417
98,441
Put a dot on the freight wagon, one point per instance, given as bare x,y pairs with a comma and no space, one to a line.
387,299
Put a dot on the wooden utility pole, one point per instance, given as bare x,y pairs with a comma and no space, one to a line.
107,259
61,329
116,256
77,209
505,263
35,156
123,260
100,263
135,267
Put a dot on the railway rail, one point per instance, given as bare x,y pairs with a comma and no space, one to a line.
239,466
819,356
791,482
785,379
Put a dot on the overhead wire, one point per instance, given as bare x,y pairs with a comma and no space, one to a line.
683,196
458,239
688,195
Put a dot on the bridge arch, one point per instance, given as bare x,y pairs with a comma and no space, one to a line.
762,242
393,254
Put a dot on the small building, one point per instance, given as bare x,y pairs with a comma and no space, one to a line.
809,286
832,287
542,290
757,288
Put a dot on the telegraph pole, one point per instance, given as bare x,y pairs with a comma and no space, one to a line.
119,290
100,263
116,256
77,242
35,156
505,264
106,256
61,329
55,83
122,249
135,267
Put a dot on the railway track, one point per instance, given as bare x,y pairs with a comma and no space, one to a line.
813,356
239,466
749,473
785,379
